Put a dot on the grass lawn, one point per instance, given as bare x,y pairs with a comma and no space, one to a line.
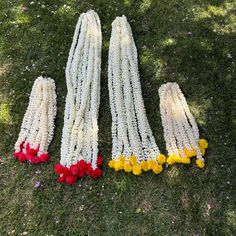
191,42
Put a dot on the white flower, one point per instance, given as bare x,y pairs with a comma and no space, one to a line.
131,133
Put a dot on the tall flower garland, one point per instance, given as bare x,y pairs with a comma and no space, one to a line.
79,145
38,123
180,129
133,145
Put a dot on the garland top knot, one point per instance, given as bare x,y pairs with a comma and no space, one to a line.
38,123
133,146
180,129
79,145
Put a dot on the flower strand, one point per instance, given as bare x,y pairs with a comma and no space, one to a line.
181,132
38,123
133,146
80,132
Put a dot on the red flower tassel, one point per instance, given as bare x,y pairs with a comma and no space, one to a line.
99,160
59,169
97,173
71,179
44,157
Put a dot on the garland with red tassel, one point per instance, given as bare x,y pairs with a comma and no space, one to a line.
38,123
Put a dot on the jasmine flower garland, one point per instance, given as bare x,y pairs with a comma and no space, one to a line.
38,123
79,145
180,129
133,145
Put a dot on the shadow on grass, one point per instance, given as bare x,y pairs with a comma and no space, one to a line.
187,42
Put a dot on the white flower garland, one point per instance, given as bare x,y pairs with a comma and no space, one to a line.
80,131
180,129
133,145
38,123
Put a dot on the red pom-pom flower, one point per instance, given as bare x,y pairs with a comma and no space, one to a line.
71,179
99,160
74,169
97,173
59,169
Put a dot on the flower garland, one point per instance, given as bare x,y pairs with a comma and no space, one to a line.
133,145
38,123
79,145
180,129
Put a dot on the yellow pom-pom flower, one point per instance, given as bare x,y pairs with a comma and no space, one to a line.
203,150
144,165
170,160
150,164
185,160
122,159
118,166
190,153
161,159
203,143
157,169
200,163
137,169
111,163
177,159
132,160
127,167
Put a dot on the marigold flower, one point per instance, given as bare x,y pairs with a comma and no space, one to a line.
133,160
203,143
161,159
144,165
118,165
111,163
137,170
200,163
122,159
170,160
157,169
185,160
127,167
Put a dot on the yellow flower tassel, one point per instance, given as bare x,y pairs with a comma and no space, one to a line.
177,159
189,153
170,160
122,159
185,160
118,166
144,166
200,163
157,169
111,163
133,160
161,159
127,167
151,164
203,143
137,170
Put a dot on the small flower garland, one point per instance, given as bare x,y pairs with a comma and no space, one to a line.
38,123
79,145
133,146
180,129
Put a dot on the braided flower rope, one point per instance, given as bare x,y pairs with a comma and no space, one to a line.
38,123
79,145
133,145
180,129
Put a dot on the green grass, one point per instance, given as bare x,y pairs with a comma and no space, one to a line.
183,200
